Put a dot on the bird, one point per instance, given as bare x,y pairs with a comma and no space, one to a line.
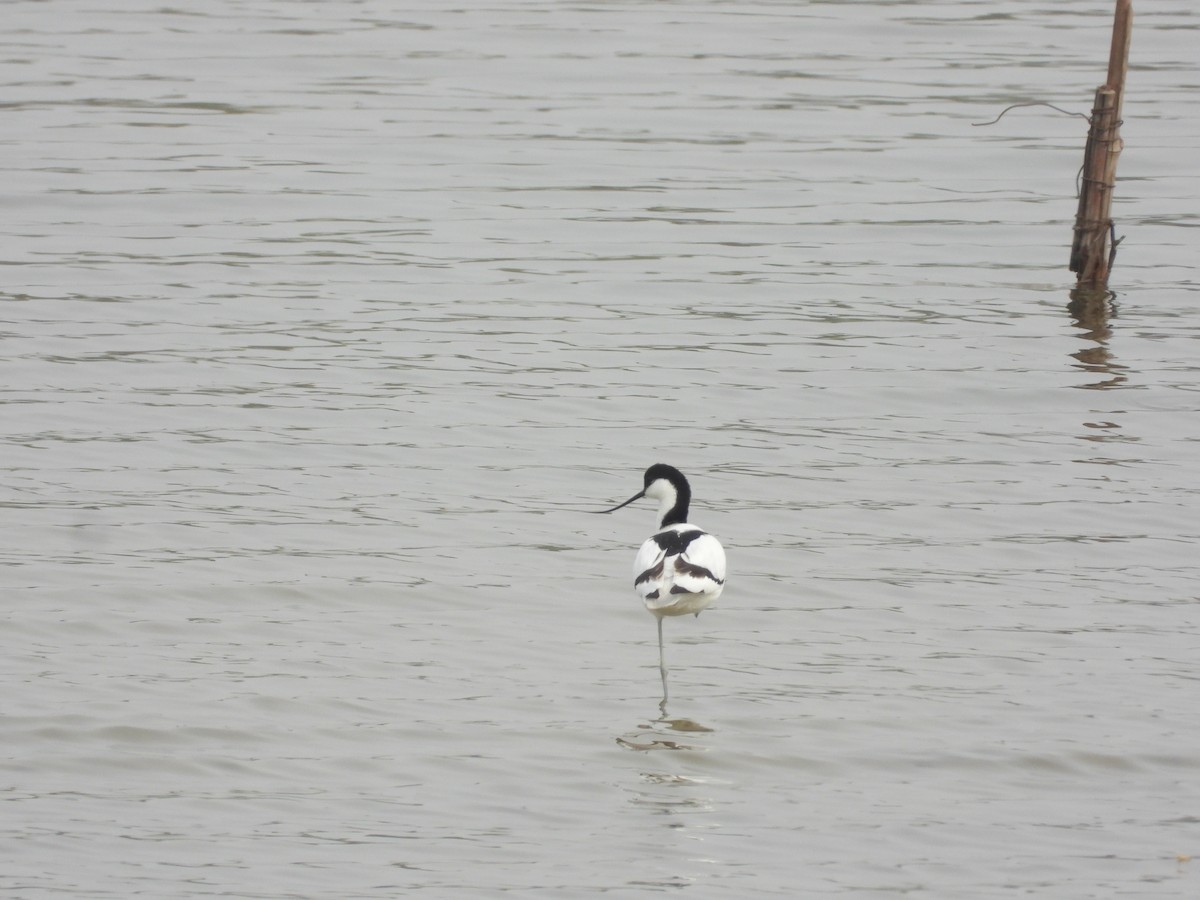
679,569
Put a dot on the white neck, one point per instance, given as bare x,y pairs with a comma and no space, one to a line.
666,495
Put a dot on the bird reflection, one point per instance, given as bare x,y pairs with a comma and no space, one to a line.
665,734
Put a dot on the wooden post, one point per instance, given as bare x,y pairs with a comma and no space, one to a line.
1093,249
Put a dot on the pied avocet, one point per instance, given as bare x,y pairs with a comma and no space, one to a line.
681,568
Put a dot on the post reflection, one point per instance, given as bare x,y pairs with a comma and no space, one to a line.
1091,310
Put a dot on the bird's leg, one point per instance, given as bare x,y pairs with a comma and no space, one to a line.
662,667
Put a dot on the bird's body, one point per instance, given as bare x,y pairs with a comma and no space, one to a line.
681,568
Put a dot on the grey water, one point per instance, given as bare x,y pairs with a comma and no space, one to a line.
323,326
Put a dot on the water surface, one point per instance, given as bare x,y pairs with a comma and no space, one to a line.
324,324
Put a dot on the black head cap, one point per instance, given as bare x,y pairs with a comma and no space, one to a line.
683,491
662,470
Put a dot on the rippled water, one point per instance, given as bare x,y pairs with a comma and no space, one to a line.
324,324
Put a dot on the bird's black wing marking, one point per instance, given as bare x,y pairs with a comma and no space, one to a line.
653,572
672,543
686,568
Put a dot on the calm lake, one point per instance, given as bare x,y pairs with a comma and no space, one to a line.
324,326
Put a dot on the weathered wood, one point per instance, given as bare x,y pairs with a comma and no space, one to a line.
1093,248
1118,53
1093,221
